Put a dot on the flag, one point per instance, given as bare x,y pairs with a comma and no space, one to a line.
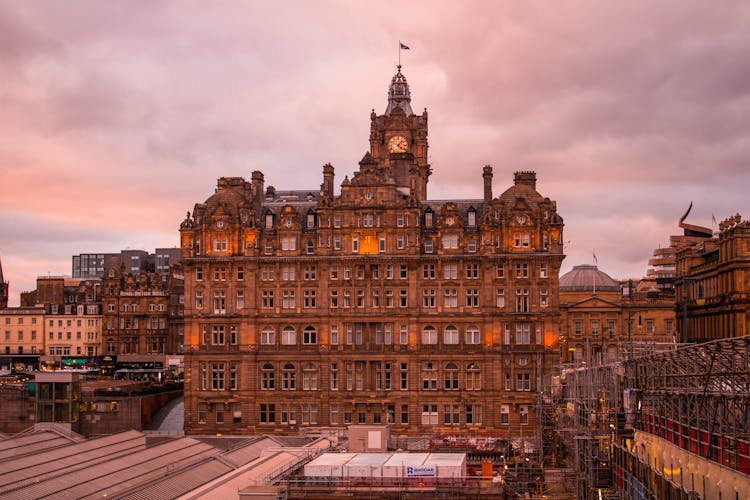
403,46
596,262
713,218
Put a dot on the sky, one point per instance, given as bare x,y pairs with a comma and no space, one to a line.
117,117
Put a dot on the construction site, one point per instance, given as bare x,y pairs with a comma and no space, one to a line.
670,424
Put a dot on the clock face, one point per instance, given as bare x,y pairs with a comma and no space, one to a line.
397,144
521,219
220,224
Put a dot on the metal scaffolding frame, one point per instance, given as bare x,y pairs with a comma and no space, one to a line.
698,398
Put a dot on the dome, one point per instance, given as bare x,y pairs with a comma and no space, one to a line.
587,277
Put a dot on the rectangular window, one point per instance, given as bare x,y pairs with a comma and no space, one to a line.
266,298
240,304
267,413
500,297
198,299
543,297
594,328
217,335
472,271
429,414
450,271
220,274
334,376
522,300
198,274
403,299
217,376
522,270
289,243
337,242
404,414
334,335
404,377
220,244
505,414
428,271
523,333
428,298
472,297
400,241
450,241
523,414
451,415
428,246
473,414
309,273
450,299
355,243
233,376
668,326
308,299
220,302
523,382
288,300
543,270
403,335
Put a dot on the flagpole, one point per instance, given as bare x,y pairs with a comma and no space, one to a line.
399,53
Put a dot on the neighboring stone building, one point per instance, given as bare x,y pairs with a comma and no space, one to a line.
604,320
135,313
307,308
713,284
22,336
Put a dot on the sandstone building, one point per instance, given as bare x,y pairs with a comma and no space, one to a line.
372,306
604,320
712,288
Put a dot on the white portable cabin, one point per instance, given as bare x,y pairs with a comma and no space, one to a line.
447,464
399,463
328,465
366,465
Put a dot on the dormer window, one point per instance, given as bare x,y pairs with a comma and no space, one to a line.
310,220
269,220
472,218
428,218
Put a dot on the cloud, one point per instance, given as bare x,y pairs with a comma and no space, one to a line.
118,118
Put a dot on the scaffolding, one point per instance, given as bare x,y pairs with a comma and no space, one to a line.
698,398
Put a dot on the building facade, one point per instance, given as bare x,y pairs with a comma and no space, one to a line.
712,288
604,320
23,333
135,313
372,306
92,265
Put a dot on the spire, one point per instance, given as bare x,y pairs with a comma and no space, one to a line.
399,95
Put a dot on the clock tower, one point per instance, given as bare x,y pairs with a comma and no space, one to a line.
398,140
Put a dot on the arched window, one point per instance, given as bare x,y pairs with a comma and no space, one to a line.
309,335
429,335
288,377
289,336
472,335
450,377
310,377
267,377
310,247
473,377
450,335
268,336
